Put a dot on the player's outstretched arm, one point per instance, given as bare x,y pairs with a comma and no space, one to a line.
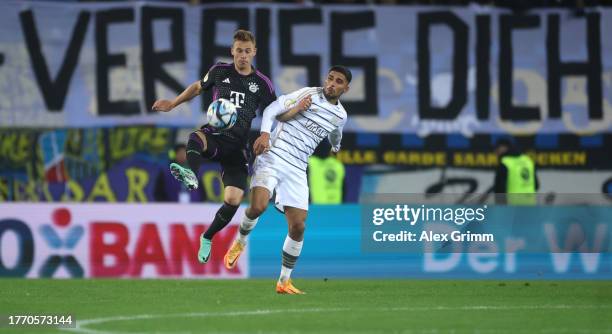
303,105
189,93
262,144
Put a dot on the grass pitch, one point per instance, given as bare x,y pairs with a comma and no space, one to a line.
334,306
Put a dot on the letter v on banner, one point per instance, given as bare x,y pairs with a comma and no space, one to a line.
53,91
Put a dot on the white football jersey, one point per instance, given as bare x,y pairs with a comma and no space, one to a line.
295,140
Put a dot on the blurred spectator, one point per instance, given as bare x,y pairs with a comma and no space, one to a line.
325,176
515,174
167,189
179,154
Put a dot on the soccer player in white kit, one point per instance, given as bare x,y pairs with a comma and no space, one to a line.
307,117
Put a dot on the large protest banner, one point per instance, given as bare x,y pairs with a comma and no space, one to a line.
418,70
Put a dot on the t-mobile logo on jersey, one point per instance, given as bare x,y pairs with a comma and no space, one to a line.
237,99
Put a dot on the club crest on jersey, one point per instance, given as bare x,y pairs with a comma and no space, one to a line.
253,87
289,103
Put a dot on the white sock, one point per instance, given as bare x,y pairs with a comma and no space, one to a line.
246,225
285,274
291,252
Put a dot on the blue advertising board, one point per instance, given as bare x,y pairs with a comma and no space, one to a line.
333,249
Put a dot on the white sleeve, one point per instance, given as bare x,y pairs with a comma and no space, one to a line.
287,101
282,104
335,137
269,114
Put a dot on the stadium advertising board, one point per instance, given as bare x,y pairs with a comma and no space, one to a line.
105,64
118,240
161,241
347,258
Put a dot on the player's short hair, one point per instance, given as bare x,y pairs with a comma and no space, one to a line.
244,36
342,69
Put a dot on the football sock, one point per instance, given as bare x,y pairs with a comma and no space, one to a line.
291,252
194,152
246,226
222,218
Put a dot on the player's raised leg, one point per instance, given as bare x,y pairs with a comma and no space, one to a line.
259,198
296,219
196,146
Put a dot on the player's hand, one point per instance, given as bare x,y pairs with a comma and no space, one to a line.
334,153
304,103
296,108
262,144
162,105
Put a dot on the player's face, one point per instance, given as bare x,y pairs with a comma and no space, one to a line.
335,84
243,53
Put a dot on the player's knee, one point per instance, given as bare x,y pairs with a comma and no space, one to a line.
233,199
257,208
296,230
197,141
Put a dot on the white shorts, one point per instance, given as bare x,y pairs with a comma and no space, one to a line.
291,184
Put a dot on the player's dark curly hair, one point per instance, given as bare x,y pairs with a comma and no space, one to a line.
342,69
244,36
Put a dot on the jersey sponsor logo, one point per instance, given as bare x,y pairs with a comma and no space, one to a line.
253,87
237,99
226,80
289,104
315,128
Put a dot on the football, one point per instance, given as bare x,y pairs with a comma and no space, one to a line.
221,114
